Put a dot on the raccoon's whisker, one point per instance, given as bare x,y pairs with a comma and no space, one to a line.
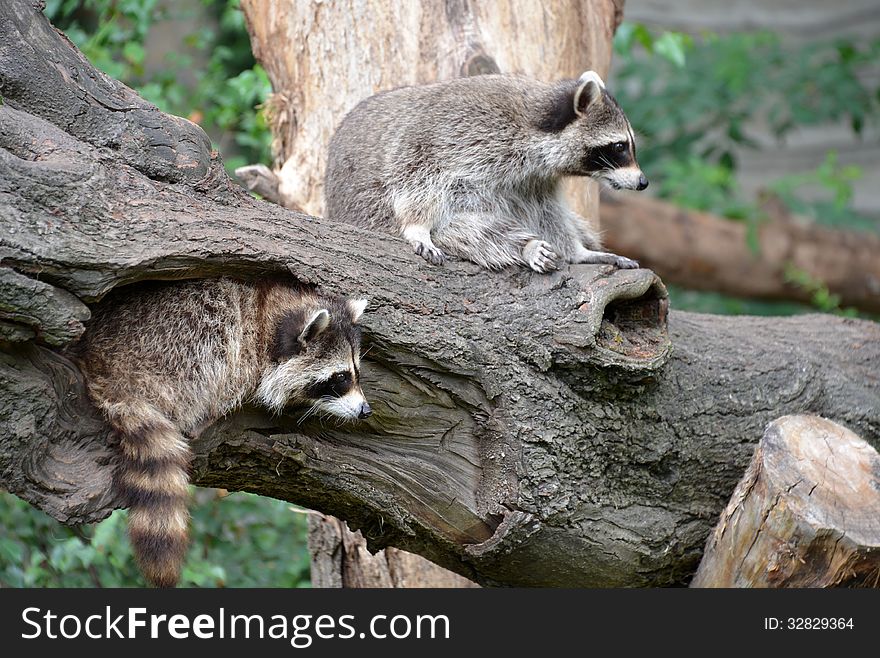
322,412
311,410
605,161
316,407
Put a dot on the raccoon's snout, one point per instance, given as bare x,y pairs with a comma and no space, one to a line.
624,178
365,410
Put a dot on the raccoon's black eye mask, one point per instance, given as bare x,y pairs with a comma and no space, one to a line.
336,386
610,156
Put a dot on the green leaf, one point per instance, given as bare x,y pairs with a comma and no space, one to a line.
134,52
643,35
671,46
11,551
728,160
623,38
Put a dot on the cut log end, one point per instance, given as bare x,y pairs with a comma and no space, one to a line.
806,513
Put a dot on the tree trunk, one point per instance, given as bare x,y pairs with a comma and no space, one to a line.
806,513
704,252
527,429
382,45
324,58
340,559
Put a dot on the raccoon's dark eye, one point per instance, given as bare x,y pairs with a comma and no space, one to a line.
337,385
341,383
620,147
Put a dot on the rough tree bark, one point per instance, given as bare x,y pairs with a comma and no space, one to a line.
705,252
323,59
528,430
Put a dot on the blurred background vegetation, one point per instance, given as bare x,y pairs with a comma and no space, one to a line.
702,104
693,100
191,58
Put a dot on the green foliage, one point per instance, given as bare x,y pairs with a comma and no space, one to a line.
720,304
695,183
227,92
692,100
669,45
822,298
698,95
834,209
239,540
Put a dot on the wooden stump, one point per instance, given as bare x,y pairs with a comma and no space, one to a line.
806,513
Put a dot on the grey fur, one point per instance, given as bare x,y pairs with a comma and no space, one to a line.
164,362
472,167
197,350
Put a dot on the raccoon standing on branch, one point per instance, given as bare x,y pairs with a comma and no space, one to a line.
472,167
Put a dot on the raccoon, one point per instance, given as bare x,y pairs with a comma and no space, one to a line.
164,362
472,167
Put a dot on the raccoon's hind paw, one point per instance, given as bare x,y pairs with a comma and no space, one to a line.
625,263
429,252
540,256
586,256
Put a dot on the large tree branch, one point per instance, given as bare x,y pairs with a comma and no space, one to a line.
428,42
528,429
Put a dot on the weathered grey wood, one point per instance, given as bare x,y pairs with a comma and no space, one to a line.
805,514
405,43
261,180
527,430
32,305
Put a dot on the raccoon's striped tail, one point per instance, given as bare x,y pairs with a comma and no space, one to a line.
152,478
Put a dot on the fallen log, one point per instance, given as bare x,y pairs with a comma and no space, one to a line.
702,251
805,514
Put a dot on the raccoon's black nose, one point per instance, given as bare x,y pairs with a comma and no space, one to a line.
643,182
365,410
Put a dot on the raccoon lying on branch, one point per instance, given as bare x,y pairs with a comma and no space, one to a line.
164,362
472,167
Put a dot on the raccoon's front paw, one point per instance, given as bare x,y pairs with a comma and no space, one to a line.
625,263
540,256
429,252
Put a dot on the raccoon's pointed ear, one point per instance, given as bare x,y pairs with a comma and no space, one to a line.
356,307
315,326
589,91
588,76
